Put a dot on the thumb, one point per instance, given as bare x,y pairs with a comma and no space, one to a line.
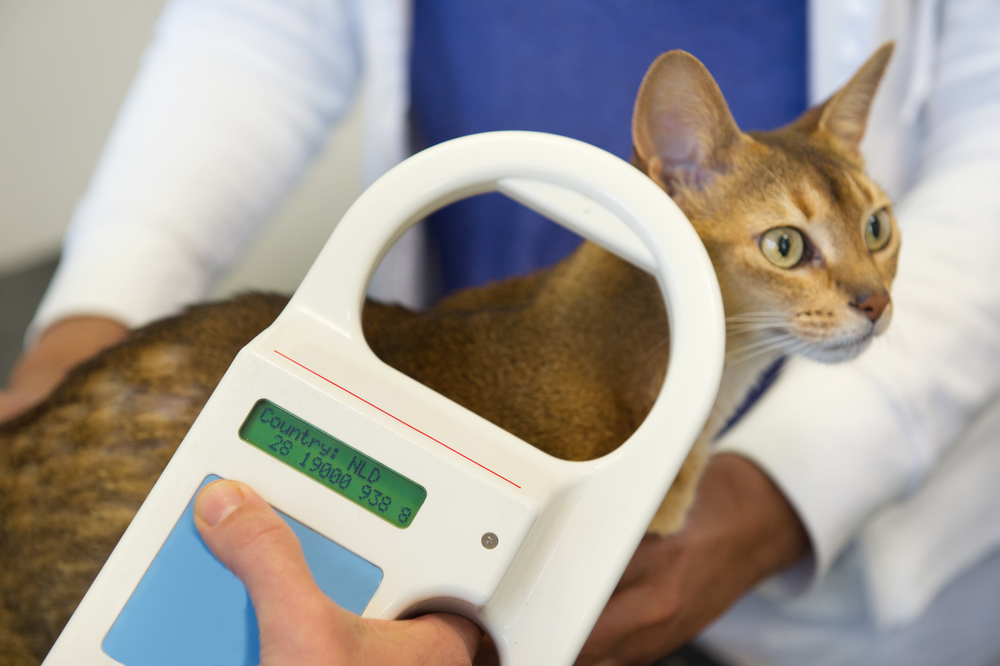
248,536
298,623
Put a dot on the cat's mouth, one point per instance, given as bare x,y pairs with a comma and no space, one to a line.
837,350
847,344
765,334
788,342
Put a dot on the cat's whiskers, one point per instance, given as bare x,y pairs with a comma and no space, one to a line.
755,322
778,314
760,320
765,341
750,328
787,341
760,352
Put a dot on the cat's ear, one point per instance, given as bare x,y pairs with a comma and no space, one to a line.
845,114
682,129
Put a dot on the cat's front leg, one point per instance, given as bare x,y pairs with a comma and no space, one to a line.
673,510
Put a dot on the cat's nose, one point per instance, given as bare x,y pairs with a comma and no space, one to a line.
873,306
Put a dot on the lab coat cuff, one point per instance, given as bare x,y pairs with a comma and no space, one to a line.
129,274
812,434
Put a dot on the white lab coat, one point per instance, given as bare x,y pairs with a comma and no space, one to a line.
862,450
893,461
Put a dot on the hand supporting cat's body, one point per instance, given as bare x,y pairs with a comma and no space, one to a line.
569,359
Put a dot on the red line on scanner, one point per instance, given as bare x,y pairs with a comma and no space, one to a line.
396,418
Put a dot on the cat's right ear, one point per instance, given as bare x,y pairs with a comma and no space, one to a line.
682,130
845,114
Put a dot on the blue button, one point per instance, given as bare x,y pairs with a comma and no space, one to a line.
190,609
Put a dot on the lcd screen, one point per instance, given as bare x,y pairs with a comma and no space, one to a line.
338,466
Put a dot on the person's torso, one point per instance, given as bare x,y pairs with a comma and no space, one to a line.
573,67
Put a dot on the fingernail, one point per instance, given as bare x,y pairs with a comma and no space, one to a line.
216,501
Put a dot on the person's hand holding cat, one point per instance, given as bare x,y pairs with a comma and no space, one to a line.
740,530
298,623
58,349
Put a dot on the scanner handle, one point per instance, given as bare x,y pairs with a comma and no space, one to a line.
610,202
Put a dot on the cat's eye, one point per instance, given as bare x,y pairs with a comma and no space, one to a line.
878,229
783,246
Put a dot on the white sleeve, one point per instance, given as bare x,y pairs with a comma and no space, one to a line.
233,99
842,441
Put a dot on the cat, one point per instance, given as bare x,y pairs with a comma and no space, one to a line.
569,358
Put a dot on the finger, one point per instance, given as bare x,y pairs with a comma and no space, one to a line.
246,534
468,636
641,562
430,640
13,404
249,537
641,617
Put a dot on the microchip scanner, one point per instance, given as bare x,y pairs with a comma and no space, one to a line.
433,506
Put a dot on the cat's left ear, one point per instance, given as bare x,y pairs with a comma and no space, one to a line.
682,131
845,114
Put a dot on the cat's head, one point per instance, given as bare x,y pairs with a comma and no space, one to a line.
803,242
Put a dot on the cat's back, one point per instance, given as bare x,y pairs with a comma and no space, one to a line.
74,470
569,358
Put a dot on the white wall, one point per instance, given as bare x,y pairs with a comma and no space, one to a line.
65,66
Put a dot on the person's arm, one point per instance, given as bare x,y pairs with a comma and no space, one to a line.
233,99
298,624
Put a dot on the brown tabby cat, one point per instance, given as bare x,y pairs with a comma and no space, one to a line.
569,358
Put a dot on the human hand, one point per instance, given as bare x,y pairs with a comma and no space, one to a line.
298,624
58,349
740,530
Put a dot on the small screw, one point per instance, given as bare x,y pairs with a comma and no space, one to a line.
490,540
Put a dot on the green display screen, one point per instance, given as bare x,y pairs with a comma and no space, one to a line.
341,468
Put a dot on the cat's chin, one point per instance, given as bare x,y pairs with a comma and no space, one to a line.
836,352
